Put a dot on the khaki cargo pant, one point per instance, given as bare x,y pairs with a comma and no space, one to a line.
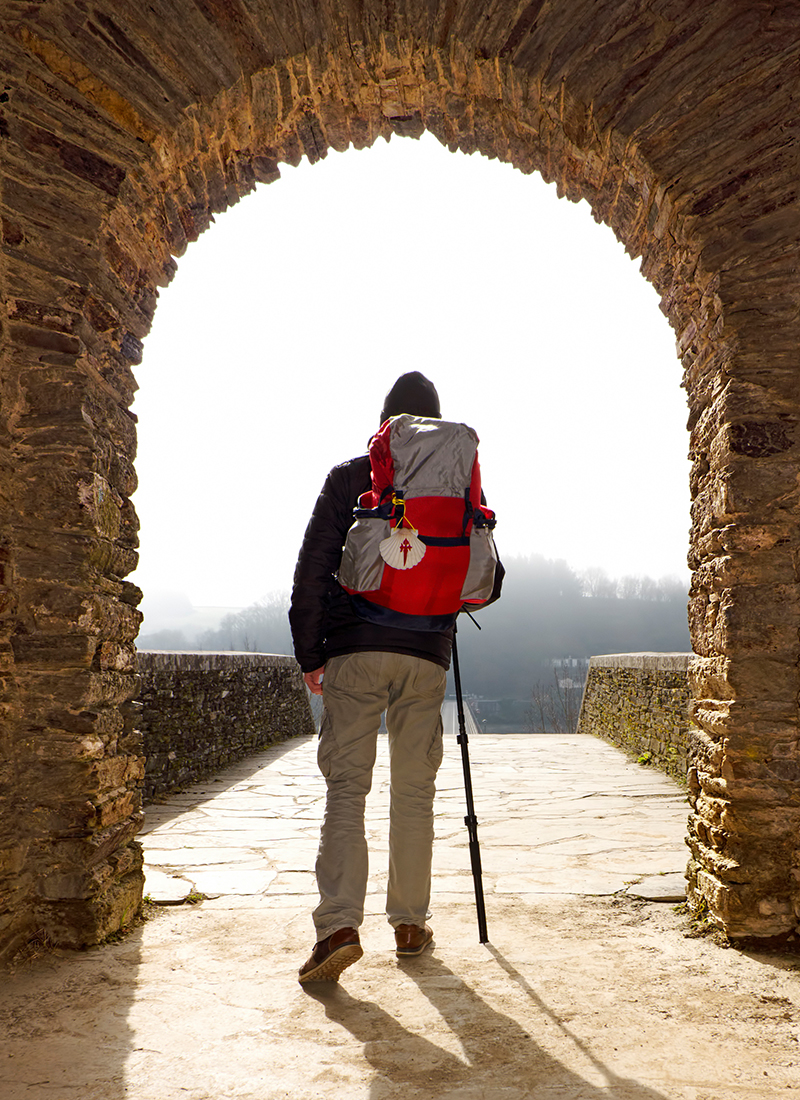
357,689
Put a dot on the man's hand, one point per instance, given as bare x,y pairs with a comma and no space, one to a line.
313,680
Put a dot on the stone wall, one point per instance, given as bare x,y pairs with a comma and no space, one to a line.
203,711
640,702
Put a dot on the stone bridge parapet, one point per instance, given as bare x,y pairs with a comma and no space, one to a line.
640,703
201,712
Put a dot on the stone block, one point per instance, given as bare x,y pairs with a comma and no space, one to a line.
708,678
119,809
750,678
78,922
40,651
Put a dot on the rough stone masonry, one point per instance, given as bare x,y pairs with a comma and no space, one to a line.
640,703
201,712
126,127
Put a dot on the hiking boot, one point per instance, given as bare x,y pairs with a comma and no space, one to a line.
331,955
411,939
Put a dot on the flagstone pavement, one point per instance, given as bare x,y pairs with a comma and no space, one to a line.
593,831
593,985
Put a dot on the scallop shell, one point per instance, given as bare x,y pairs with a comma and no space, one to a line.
403,549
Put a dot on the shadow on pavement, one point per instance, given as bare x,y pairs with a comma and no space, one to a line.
65,1024
169,806
495,1056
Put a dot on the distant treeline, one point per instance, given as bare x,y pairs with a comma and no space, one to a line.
548,612
261,628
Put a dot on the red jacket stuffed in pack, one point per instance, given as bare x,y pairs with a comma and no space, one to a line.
421,546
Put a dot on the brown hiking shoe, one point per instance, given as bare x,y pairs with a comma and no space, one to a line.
411,939
331,955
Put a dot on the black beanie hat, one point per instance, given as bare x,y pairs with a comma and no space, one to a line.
412,393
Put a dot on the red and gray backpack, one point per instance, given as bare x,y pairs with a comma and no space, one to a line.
421,547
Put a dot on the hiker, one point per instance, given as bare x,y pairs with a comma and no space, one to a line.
363,668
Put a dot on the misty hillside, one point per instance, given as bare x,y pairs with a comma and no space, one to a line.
548,612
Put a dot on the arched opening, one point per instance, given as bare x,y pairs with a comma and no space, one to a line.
125,138
290,314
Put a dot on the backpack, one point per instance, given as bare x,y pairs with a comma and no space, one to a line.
421,546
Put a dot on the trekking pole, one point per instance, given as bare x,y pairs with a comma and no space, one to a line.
470,820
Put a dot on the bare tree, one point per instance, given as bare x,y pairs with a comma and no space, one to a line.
672,588
597,584
261,628
629,587
555,706
648,588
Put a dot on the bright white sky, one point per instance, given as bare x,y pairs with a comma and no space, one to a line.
288,321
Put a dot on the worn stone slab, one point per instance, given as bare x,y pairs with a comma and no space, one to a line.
564,881
218,881
165,889
662,662
660,888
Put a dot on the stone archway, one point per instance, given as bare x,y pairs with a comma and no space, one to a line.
126,129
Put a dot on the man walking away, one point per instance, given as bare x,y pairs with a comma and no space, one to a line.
362,669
